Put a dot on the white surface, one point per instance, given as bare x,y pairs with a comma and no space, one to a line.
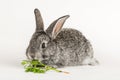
98,20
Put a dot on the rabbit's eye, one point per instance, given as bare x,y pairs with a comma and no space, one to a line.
43,45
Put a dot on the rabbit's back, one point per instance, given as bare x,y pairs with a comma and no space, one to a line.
70,36
74,47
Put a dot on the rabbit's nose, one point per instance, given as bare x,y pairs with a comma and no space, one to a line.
32,56
44,56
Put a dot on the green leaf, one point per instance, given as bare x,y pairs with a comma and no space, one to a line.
28,69
35,62
24,62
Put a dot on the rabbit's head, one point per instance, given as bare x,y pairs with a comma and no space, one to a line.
42,41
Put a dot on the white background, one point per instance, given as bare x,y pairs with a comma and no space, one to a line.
98,20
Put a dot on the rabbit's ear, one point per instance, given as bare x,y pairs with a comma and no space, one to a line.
39,21
56,26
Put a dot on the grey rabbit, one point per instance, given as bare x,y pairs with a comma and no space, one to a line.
59,47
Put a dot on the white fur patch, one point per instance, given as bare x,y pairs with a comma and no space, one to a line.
90,61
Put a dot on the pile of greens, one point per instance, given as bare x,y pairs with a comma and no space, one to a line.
37,67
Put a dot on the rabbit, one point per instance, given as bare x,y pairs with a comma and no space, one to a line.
59,47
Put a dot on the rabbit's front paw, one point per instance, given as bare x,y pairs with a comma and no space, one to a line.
58,65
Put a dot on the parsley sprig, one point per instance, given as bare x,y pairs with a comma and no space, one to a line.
37,67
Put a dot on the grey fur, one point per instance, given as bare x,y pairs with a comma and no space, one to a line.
39,21
68,48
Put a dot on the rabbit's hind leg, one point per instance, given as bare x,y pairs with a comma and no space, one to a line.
90,61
